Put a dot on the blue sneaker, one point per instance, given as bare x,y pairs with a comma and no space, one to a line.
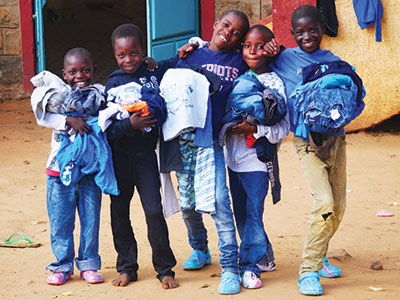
309,284
197,260
230,283
329,271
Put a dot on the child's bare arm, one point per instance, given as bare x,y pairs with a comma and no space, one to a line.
140,123
78,124
271,48
244,127
186,49
192,44
151,63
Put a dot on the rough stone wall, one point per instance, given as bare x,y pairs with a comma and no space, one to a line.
376,63
254,9
10,51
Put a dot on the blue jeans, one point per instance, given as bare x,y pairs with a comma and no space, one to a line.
248,190
223,218
62,202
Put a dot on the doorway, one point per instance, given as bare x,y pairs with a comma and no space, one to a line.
87,24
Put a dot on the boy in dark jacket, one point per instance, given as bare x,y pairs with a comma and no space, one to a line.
135,161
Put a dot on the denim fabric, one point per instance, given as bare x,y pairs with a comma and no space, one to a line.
223,218
248,190
324,108
62,202
246,99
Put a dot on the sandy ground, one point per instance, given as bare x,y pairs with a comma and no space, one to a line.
373,184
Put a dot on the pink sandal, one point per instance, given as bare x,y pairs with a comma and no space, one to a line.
58,278
92,276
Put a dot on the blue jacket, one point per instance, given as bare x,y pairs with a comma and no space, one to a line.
88,154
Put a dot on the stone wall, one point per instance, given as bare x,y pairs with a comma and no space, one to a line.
254,9
11,86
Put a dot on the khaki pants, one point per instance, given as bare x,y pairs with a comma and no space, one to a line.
327,182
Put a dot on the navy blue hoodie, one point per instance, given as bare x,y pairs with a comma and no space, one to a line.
121,134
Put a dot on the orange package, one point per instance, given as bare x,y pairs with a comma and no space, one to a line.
137,106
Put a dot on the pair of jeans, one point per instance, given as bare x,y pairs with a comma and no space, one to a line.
62,202
139,169
248,190
223,219
327,182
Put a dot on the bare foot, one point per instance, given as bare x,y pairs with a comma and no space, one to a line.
122,280
169,282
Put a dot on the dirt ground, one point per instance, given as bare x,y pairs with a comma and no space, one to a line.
373,184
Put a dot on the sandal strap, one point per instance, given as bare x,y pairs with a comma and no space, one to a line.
24,237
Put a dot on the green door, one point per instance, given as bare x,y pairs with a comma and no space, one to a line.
170,23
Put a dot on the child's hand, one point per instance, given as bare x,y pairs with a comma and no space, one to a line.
151,63
78,124
186,49
140,123
244,127
271,48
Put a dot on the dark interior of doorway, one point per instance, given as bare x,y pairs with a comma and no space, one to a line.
87,24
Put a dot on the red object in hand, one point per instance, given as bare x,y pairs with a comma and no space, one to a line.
250,139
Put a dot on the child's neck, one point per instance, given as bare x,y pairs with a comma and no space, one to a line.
260,71
213,47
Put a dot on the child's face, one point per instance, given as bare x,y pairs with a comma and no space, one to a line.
228,33
253,48
78,71
307,33
129,53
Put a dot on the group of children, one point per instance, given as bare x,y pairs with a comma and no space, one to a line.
251,80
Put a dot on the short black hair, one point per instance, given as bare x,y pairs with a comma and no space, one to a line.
241,15
126,30
78,52
264,29
306,11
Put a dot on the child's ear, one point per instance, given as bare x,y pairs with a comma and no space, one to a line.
64,74
292,32
215,24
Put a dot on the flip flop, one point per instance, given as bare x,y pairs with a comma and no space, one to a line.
384,213
19,242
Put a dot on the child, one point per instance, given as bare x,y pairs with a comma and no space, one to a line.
85,195
222,59
248,175
135,162
326,176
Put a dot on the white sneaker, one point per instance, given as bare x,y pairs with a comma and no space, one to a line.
269,267
251,281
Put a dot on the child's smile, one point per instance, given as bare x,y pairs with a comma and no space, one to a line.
307,33
227,33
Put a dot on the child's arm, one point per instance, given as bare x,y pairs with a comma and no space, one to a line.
78,124
151,63
135,124
275,133
271,48
192,44
244,127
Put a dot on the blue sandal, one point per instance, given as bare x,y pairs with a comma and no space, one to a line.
329,271
197,260
309,284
